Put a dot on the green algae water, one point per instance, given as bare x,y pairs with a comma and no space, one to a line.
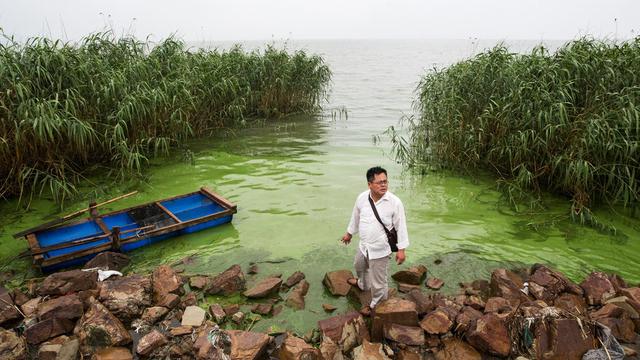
295,181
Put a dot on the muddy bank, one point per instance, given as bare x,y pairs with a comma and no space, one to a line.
527,313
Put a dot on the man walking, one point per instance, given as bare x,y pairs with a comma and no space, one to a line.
372,257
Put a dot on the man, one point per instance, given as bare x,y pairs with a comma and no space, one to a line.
372,257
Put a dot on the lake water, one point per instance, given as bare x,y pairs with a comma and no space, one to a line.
295,181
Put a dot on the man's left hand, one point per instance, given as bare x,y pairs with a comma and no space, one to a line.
400,256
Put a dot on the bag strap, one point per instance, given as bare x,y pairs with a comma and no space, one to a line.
375,212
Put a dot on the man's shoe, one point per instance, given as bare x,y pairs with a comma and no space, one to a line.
354,282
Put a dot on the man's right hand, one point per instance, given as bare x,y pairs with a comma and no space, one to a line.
346,238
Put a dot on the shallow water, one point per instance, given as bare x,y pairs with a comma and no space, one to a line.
295,182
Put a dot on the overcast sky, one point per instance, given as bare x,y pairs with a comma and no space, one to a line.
327,19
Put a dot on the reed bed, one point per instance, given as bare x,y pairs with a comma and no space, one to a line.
116,102
566,122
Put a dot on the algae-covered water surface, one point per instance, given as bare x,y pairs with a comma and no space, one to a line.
295,181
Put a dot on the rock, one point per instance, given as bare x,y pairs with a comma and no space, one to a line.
393,311
294,348
405,288
228,282
64,307
489,334
423,303
412,275
456,349
198,282
65,282
181,330
238,317
546,284
409,354
86,296
336,282
264,288
19,298
217,312
622,328
329,350
475,302
563,339
262,309
191,299
100,328
108,260
8,312
507,284
247,345
633,297
47,329
370,351
231,309
126,297
436,322
434,283
151,342
165,281
30,307
49,351
69,350
193,316
295,299
253,269
113,353
328,307
499,306
12,347
168,300
607,311
333,327
465,318
408,335
292,280
624,303
154,314
597,288
571,303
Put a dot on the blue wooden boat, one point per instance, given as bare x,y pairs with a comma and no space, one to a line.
73,244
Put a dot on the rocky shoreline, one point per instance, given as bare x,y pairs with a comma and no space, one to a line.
534,313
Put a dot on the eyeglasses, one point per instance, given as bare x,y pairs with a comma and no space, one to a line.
381,182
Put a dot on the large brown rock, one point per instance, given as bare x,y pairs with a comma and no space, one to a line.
456,349
294,348
30,308
408,335
571,303
99,328
622,328
154,314
165,281
8,312
292,280
370,351
464,319
393,311
330,350
626,304
424,304
336,282
633,297
489,334
205,350
217,312
47,329
108,260
12,347
508,285
546,284
412,275
64,307
126,297
436,322
228,282
607,311
65,282
151,342
199,282
247,345
295,298
264,288
597,288
334,327
563,339
113,353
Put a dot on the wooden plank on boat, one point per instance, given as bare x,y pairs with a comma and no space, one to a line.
102,225
34,245
218,198
62,258
168,212
73,243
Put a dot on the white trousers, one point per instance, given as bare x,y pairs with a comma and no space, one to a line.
372,276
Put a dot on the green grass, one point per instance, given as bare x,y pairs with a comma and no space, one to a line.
566,122
115,102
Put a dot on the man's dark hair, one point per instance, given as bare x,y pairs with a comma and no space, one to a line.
371,173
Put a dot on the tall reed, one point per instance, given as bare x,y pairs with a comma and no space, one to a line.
118,101
566,122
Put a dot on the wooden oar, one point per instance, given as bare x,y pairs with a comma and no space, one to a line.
70,216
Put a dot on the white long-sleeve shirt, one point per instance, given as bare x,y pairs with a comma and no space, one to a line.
373,239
